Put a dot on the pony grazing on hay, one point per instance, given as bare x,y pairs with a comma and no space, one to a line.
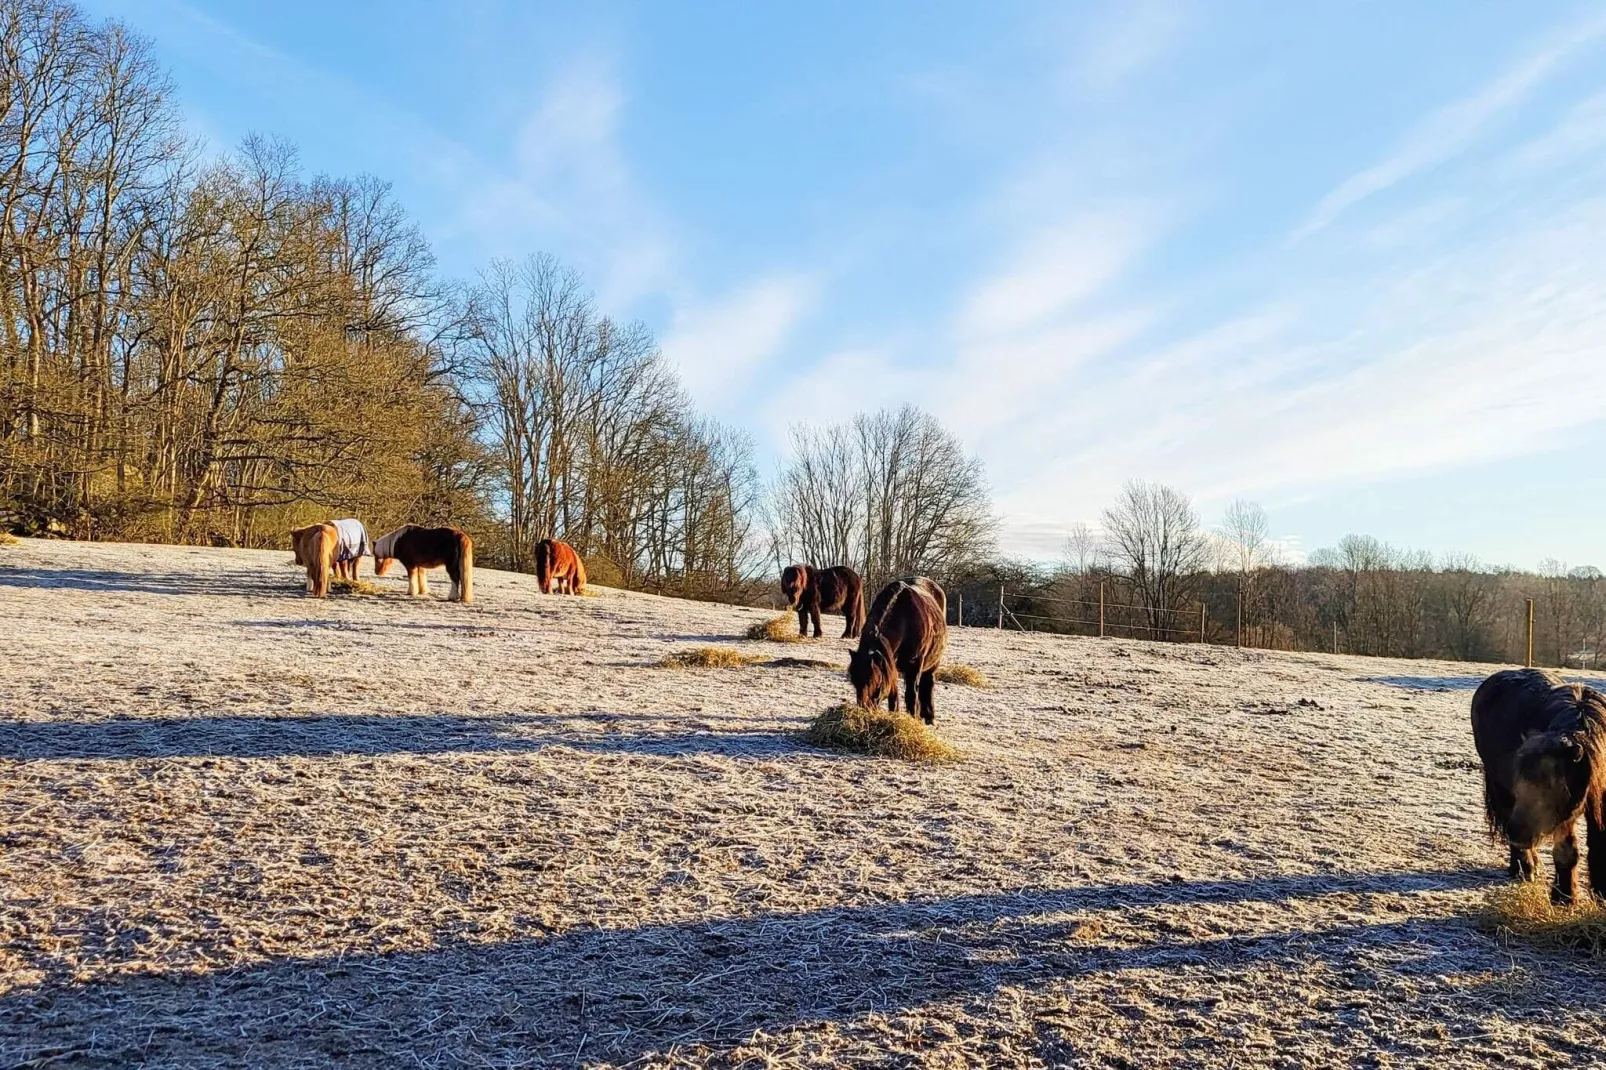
1543,745
419,548
557,565
351,546
905,633
315,549
810,590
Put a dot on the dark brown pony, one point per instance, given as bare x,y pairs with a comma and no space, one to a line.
314,547
905,634
557,565
810,590
420,548
1543,745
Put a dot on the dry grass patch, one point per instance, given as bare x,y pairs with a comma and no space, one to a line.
8,539
880,733
343,586
708,657
782,629
963,674
1524,911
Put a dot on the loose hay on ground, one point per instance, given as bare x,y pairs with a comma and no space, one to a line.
782,629
708,657
963,674
8,539
1525,912
343,586
881,733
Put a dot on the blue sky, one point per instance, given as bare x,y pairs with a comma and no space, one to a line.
1344,259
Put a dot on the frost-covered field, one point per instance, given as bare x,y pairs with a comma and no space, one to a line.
239,826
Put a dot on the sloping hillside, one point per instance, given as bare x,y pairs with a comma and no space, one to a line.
243,826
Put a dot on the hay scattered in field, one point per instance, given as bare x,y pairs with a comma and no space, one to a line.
963,674
803,663
708,657
343,586
881,733
8,539
1524,911
782,629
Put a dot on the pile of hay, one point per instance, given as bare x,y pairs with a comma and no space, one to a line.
1523,911
963,674
8,539
708,657
782,629
344,586
881,733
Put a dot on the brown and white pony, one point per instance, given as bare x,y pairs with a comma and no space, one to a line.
557,565
904,635
315,548
420,548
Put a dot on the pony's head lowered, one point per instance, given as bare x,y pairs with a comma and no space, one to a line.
1559,771
794,581
872,674
385,551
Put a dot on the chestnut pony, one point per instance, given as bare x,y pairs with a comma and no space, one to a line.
905,634
810,590
420,548
315,548
557,565
1543,746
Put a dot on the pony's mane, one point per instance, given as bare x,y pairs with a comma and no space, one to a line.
875,626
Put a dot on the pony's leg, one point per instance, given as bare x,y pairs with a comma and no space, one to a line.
1595,844
1565,855
803,621
928,688
814,615
911,694
1523,864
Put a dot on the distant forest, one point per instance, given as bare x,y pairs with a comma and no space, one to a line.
212,349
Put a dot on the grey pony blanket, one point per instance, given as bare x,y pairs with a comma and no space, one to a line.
353,541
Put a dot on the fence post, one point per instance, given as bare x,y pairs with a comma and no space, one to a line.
959,608
1000,607
1335,637
1530,660
1238,628
1201,622
1101,609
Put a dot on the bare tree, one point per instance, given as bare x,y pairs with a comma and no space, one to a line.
1154,538
1084,550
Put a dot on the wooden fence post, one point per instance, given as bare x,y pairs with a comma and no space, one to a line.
1101,609
1238,629
1530,660
1201,622
1335,637
959,610
1000,607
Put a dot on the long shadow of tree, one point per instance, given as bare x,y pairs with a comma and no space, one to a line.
590,995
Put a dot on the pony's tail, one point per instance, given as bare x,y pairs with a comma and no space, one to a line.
579,582
323,559
465,589
856,608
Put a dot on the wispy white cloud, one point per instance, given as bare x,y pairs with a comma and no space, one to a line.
718,347
1125,40
1452,129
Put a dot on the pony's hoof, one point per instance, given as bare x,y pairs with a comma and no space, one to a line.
1561,897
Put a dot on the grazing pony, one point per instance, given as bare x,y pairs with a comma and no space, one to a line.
905,633
315,548
557,565
1543,745
419,548
351,546
834,590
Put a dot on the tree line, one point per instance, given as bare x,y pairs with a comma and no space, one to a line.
1155,566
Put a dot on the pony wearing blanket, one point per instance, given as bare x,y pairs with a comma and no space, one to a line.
315,549
419,548
352,546
557,565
